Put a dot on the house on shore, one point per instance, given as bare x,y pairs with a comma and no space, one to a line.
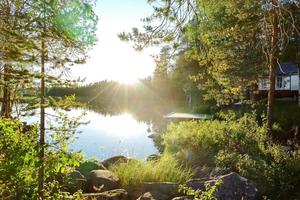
286,81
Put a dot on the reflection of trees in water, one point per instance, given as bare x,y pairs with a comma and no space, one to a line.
151,114
147,101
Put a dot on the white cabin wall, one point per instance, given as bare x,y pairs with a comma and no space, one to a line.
294,82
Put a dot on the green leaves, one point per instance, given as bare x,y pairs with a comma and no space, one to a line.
77,21
18,156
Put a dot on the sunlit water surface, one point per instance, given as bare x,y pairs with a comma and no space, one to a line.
105,136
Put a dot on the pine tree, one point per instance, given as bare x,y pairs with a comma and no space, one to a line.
235,41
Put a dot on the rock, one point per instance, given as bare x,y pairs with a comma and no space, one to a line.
154,195
153,157
77,182
184,198
146,196
103,179
118,194
233,187
114,160
202,172
164,190
163,187
87,166
197,183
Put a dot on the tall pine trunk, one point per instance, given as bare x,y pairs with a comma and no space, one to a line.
6,101
6,107
42,125
272,64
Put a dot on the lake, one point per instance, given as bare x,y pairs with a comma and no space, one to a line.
109,135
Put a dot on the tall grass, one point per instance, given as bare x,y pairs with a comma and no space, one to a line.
166,169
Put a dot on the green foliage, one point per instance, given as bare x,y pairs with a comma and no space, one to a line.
167,168
87,166
19,160
239,145
208,194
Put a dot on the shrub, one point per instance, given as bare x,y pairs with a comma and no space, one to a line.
167,168
19,163
18,159
241,146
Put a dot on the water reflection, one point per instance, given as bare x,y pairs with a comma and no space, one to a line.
114,130
107,136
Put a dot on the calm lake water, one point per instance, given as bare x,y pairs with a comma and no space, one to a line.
109,135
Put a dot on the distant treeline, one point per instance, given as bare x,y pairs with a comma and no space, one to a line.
145,94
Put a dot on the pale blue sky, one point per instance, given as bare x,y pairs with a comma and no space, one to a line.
111,58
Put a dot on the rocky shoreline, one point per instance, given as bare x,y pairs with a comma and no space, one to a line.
98,183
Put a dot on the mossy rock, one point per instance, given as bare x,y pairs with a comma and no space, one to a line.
89,165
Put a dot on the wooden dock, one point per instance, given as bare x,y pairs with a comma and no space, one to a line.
186,116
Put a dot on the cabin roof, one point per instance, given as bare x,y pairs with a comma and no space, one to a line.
287,68
174,115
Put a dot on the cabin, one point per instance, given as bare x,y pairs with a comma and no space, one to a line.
286,81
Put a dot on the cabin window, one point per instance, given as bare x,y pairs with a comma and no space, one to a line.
264,84
283,82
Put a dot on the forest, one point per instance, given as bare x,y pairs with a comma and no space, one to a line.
234,60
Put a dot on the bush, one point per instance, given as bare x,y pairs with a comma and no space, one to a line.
241,146
167,168
18,159
19,163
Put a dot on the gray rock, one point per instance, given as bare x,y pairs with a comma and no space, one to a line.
114,160
146,196
154,195
102,179
118,194
233,187
168,188
184,198
158,190
201,172
77,182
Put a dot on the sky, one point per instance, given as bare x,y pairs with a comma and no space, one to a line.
111,58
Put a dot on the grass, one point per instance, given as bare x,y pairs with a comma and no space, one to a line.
166,169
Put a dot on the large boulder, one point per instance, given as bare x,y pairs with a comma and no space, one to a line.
164,190
114,160
102,180
76,182
233,187
118,194
89,165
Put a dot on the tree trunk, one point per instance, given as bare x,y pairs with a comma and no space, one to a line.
6,102
6,108
272,64
42,125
